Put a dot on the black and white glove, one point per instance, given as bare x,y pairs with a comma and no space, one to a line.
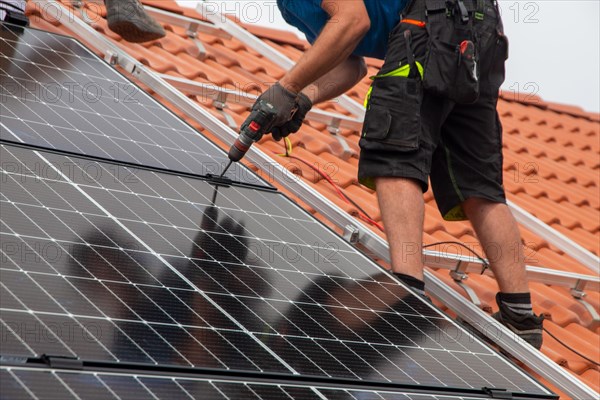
292,126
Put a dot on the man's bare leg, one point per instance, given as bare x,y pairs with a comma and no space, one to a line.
499,235
402,210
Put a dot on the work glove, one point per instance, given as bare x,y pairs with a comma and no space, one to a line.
303,107
283,101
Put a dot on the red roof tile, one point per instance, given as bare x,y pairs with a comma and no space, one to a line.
552,167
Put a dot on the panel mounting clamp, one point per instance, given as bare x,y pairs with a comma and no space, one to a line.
351,234
495,393
62,362
111,57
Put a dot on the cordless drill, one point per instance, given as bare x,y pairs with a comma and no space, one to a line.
258,123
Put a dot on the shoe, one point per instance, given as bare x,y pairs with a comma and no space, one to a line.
13,12
128,19
527,326
15,18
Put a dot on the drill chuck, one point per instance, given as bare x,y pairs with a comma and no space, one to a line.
240,147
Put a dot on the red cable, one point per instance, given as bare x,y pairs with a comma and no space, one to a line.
342,195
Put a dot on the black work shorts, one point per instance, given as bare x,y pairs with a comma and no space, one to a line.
413,133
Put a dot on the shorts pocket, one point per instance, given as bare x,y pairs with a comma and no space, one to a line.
393,117
451,71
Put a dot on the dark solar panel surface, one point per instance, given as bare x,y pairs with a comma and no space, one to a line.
125,265
27,383
56,94
138,266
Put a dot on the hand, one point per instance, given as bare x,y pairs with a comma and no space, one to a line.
304,105
283,101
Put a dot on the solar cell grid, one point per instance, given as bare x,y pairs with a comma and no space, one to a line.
57,94
28,383
153,273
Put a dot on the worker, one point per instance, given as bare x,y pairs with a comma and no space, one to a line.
431,115
125,17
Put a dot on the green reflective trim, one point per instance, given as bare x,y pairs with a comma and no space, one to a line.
401,72
456,214
368,97
479,16
368,182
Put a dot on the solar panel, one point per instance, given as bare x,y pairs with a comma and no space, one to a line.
31,383
56,94
134,266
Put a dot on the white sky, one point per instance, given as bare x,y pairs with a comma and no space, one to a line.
554,45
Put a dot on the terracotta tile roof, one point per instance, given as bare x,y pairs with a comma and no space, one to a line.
552,166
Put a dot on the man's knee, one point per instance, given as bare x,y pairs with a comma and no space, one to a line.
474,205
397,183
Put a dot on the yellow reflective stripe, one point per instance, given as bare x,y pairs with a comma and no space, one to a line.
368,97
401,72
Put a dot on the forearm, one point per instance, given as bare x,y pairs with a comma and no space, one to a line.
337,81
335,44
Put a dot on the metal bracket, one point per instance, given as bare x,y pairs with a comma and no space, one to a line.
192,33
111,57
334,129
577,289
593,313
220,104
578,293
459,275
351,234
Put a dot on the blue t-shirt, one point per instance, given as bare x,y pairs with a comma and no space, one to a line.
310,18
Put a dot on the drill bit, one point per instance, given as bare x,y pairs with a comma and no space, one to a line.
226,168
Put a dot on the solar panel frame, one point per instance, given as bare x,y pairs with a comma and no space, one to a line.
321,348
102,114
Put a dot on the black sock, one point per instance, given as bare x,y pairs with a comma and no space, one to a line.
414,283
519,303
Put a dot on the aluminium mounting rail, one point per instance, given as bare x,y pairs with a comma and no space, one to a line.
554,237
537,361
210,11
214,92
